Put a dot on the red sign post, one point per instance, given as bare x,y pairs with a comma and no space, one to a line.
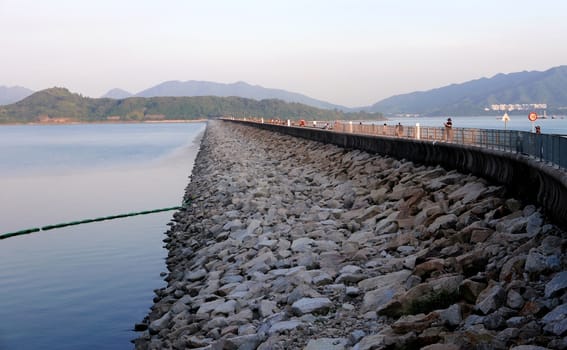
532,117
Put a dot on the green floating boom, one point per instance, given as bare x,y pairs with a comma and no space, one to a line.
86,221
20,233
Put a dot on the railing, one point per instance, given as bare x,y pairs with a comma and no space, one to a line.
546,148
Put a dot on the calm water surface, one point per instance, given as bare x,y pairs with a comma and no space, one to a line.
84,287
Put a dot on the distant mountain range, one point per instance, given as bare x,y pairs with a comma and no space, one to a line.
238,89
59,105
474,97
13,94
117,94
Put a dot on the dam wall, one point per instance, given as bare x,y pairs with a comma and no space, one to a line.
292,244
526,178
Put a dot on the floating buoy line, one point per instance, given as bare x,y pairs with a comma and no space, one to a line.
86,221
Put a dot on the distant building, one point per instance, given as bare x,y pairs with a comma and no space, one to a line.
517,107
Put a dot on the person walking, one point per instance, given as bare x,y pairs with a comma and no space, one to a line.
449,130
399,130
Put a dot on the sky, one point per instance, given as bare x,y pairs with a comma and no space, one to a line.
348,52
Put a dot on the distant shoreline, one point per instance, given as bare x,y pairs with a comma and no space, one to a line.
172,121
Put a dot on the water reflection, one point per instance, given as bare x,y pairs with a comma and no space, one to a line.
84,287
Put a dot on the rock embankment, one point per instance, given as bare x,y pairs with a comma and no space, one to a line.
293,244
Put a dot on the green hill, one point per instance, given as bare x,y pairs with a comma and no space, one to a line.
471,98
58,104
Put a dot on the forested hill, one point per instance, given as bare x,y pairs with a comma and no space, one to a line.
473,97
60,105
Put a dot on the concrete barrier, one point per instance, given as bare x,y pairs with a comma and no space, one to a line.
526,179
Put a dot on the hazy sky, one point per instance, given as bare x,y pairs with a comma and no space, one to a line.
350,52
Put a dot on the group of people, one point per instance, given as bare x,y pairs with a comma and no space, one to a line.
399,129
448,136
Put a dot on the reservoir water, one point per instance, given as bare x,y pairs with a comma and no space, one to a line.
84,287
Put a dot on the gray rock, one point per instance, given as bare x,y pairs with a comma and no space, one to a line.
351,269
311,305
196,275
178,308
418,322
302,244
530,330
512,225
347,307
494,321
507,335
282,326
472,320
350,278
352,291
270,243
516,322
397,278
441,347
550,245
376,298
468,193
534,226
322,279
443,221
536,262
197,343
513,268
452,316
405,249
371,342
228,279
243,342
253,225
356,335
226,308
557,285
490,299
446,284
267,307
556,321
326,344
233,225
514,299
409,262
243,317
207,307
470,290
159,324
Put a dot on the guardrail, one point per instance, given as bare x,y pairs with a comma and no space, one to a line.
548,148
545,147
